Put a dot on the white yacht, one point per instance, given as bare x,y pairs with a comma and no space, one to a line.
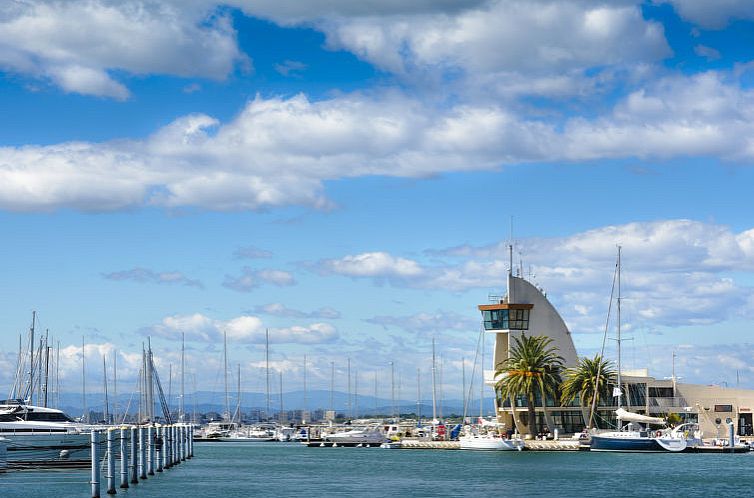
366,436
42,436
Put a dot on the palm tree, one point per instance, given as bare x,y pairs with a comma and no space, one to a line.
589,380
533,368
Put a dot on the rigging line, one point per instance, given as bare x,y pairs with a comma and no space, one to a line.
128,406
471,380
602,351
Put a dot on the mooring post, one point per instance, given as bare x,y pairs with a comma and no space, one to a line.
123,458
158,447
182,443
168,442
111,461
182,429
95,463
191,441
134,456
150,450
142,455
174,449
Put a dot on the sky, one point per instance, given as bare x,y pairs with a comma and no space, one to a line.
348,175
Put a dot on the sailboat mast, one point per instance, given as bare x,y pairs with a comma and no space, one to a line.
332,385
182,406
115,386
419,396
225,374
267,364
306,400
104,378
392,389
620,385
356,393
281,396
31,357
238,397
57,376
348,373
434,386
83,378
47,367
481,386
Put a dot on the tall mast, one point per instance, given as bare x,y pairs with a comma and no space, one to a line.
182,406
481,374
348,370
238,397
31,357
83,378
356,393
306,401
47,367
463,386
434,387
115,386
225,374
620,384
104,378
57,376
332,385
392,389
150,381
281,396
267,363
418,396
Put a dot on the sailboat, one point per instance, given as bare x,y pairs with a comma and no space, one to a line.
636,435
486,436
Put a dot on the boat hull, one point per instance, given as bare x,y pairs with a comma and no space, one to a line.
490,444
626,444
49,450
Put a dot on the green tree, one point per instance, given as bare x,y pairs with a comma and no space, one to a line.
590,380
533,368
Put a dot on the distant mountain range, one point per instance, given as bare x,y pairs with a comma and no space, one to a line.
207,401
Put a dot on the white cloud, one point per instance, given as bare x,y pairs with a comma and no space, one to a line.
280,152
78,44
143,275
250,279
242,329
676,272
372,264
713,15
279,309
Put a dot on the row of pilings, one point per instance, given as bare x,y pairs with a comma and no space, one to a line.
140,450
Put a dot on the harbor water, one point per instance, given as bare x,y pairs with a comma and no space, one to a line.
278,469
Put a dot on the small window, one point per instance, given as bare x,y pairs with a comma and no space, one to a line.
724,408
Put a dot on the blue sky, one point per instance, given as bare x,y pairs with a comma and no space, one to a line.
345,174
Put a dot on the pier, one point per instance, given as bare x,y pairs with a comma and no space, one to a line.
150,449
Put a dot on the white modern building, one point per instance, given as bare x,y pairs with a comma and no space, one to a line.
526,309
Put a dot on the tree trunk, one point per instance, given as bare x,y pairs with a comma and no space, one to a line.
548,419
514,413
532,416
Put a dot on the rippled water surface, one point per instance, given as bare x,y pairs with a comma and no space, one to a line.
280,469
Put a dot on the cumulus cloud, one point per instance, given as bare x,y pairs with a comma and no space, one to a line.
280,152
250,279
79,45
279,309
676,272
714,15
145,275
243,329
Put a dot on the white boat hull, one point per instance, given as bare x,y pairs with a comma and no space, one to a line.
490,443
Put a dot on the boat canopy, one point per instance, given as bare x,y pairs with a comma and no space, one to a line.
636,417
